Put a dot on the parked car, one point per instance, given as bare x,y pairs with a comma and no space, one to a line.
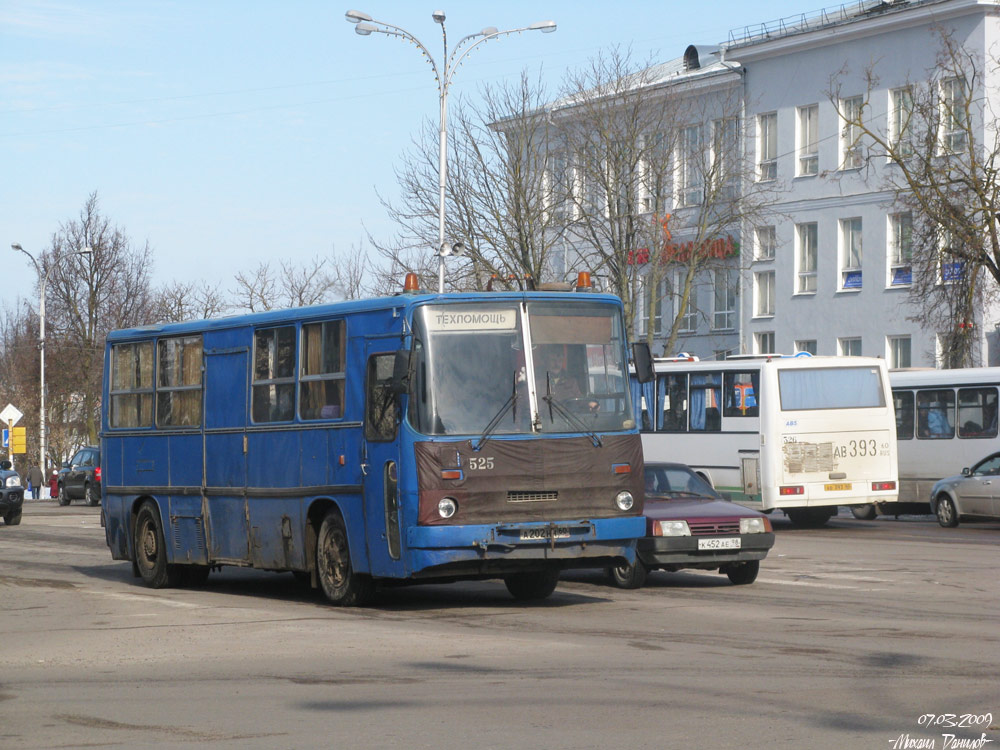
11,495
973,495
690,525
80,477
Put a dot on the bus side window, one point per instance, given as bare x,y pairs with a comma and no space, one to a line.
705,397
381,405
977,412
903,404
741,389
936,414
672,396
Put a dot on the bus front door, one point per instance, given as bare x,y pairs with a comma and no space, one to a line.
381,468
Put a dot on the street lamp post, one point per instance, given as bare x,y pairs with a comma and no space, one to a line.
366,25
43,281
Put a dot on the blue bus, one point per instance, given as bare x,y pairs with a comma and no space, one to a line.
411,438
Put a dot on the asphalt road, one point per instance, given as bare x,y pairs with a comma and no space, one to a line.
851,636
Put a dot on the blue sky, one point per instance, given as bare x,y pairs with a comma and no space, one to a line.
228,133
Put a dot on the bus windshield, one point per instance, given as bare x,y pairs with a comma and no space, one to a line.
830,388
469,368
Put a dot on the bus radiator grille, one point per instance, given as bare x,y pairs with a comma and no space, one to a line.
515,496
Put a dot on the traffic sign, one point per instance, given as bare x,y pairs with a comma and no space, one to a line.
18,440
6,437
10,414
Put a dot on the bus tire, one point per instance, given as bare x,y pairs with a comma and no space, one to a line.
945,512
629,576
151,549
866,512
743,573
533,586
340,584
810,518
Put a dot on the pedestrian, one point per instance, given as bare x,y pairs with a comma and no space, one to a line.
35,481
54,484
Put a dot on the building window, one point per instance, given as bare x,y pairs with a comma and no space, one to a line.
849,347
689,321
653,190
767,146
808,140
273,394
322,366
178,382
561,186
898,351
901,249
131,389
950,269
850,259
954,114
806,257
766,243
660,302
808,346
850,132
726,286
725,158
764,294
764,342
900,116
690,172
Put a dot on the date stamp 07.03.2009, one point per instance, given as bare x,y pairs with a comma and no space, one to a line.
948,732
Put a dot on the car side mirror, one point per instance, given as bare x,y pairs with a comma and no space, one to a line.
65,464
400,372
966,472
643,362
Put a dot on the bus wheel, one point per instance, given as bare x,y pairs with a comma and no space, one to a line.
810,518
946,514
533,586
628,576
864,512
151,550
337,578
744,573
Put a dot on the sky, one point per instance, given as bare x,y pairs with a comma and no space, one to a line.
227,133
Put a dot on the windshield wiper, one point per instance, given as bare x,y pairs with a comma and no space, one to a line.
509,405
567,414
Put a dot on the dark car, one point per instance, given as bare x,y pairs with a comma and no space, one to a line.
11,495
690,525
80,477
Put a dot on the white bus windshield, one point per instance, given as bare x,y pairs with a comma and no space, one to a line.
830,388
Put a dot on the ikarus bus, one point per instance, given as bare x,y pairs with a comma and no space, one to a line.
420,437
800,434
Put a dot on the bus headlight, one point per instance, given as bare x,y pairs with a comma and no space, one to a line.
624,500
671,528
447,507
753,525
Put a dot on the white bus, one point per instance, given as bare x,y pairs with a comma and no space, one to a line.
803,434
945,420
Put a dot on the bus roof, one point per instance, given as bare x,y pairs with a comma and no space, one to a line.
336,309
779,361
921,377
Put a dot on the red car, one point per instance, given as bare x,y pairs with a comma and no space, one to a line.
690,525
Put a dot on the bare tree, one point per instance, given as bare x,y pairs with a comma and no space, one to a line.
941,138
178,301
289,286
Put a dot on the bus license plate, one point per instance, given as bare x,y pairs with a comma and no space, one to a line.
545,532
836,487
717,543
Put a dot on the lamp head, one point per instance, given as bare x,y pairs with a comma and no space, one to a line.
17,246
364,29
356,16
546,27
438,16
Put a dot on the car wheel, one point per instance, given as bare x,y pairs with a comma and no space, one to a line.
535,586
151,550
62,497
337,578
945,512
629,576
13,518
93,496
744,573
865,512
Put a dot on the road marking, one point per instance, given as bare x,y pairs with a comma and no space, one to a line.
809,583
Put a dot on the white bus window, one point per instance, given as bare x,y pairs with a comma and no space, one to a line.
672,396
977,412
903,402
830,388
741,394
706,393
936,414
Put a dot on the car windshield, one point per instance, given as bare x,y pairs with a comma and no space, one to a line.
676,481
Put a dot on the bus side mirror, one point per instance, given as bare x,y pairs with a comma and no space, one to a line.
643,362
400,372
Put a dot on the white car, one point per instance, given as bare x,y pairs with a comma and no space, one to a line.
972,495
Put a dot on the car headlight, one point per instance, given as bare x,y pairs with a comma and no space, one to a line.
447,507
754,525
13,482
671,528
624,500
